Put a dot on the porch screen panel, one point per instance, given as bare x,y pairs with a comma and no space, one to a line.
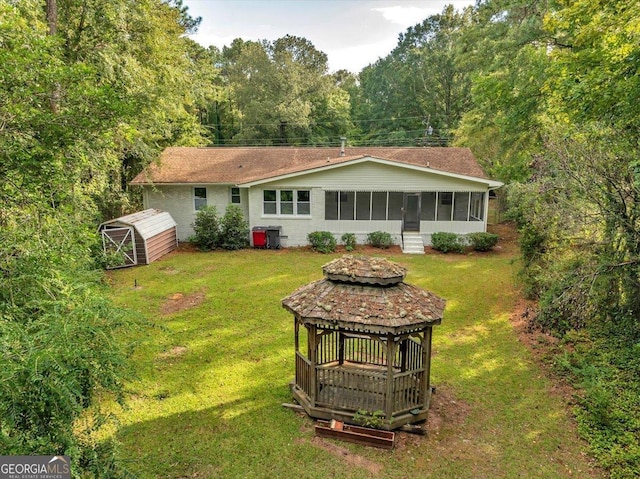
363,205
379,205
347,204
331,205
428,207
396,201
461,206
445,204
477,207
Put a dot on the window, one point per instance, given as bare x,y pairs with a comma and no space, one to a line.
445,202
428,207
461,207
387,206
286,202
379,205
476,212
363,205
303,202
270,205
235,196
347,204
396,202
200,198
330,205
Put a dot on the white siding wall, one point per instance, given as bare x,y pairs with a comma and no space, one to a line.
362,177
377,177
179,202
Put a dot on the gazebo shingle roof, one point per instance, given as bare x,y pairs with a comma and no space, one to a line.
237,165
358,306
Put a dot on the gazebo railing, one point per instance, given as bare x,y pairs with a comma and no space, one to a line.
350,388
407,391
304,373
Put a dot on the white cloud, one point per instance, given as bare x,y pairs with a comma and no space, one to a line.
405,16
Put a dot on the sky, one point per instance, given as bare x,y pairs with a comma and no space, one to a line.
353,33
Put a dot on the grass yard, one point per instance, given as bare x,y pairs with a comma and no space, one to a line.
214,372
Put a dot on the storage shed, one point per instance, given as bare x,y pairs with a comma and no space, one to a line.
138,238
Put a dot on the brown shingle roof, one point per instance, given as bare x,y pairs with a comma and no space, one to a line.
237,165
358,304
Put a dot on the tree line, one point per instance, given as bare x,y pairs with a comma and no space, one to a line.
544,92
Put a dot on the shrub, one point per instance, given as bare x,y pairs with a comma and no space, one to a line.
322,241
380,239
482,241
206,228
447,242
234,230
349,240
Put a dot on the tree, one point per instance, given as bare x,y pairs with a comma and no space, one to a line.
280,93
420,90
506,48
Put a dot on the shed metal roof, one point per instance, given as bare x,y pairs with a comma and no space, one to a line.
148,223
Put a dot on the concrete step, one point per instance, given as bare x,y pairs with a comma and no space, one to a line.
413,244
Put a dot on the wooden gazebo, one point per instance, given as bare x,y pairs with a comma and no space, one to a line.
368,343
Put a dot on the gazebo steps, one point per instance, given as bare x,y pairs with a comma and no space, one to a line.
413,243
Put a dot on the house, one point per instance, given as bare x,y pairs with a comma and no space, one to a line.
408,192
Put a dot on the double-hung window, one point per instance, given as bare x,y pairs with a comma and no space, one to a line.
199,198
286,202
235,196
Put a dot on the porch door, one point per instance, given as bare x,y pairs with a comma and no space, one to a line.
411,217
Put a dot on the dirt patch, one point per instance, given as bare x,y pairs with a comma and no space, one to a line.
351,459
174,352
179,302
446,410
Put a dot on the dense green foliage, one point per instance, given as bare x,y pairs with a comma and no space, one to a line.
380,239
89,94
322,241
447,242
206,228
58,345
230,232
349,241
482,241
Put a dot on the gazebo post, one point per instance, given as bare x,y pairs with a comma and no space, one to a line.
403,355
426,364
391,352
340,348
312,332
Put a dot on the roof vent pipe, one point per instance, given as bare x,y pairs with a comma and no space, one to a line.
343,141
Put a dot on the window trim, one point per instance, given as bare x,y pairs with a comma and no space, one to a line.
233,195
197,207
278,203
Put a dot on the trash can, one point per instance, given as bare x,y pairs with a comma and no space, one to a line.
273,237
259,234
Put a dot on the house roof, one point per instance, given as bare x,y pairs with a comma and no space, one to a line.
239,165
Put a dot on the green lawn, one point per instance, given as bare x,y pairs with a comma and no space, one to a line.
213,377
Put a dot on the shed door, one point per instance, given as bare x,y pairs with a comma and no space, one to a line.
119,245
411,216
